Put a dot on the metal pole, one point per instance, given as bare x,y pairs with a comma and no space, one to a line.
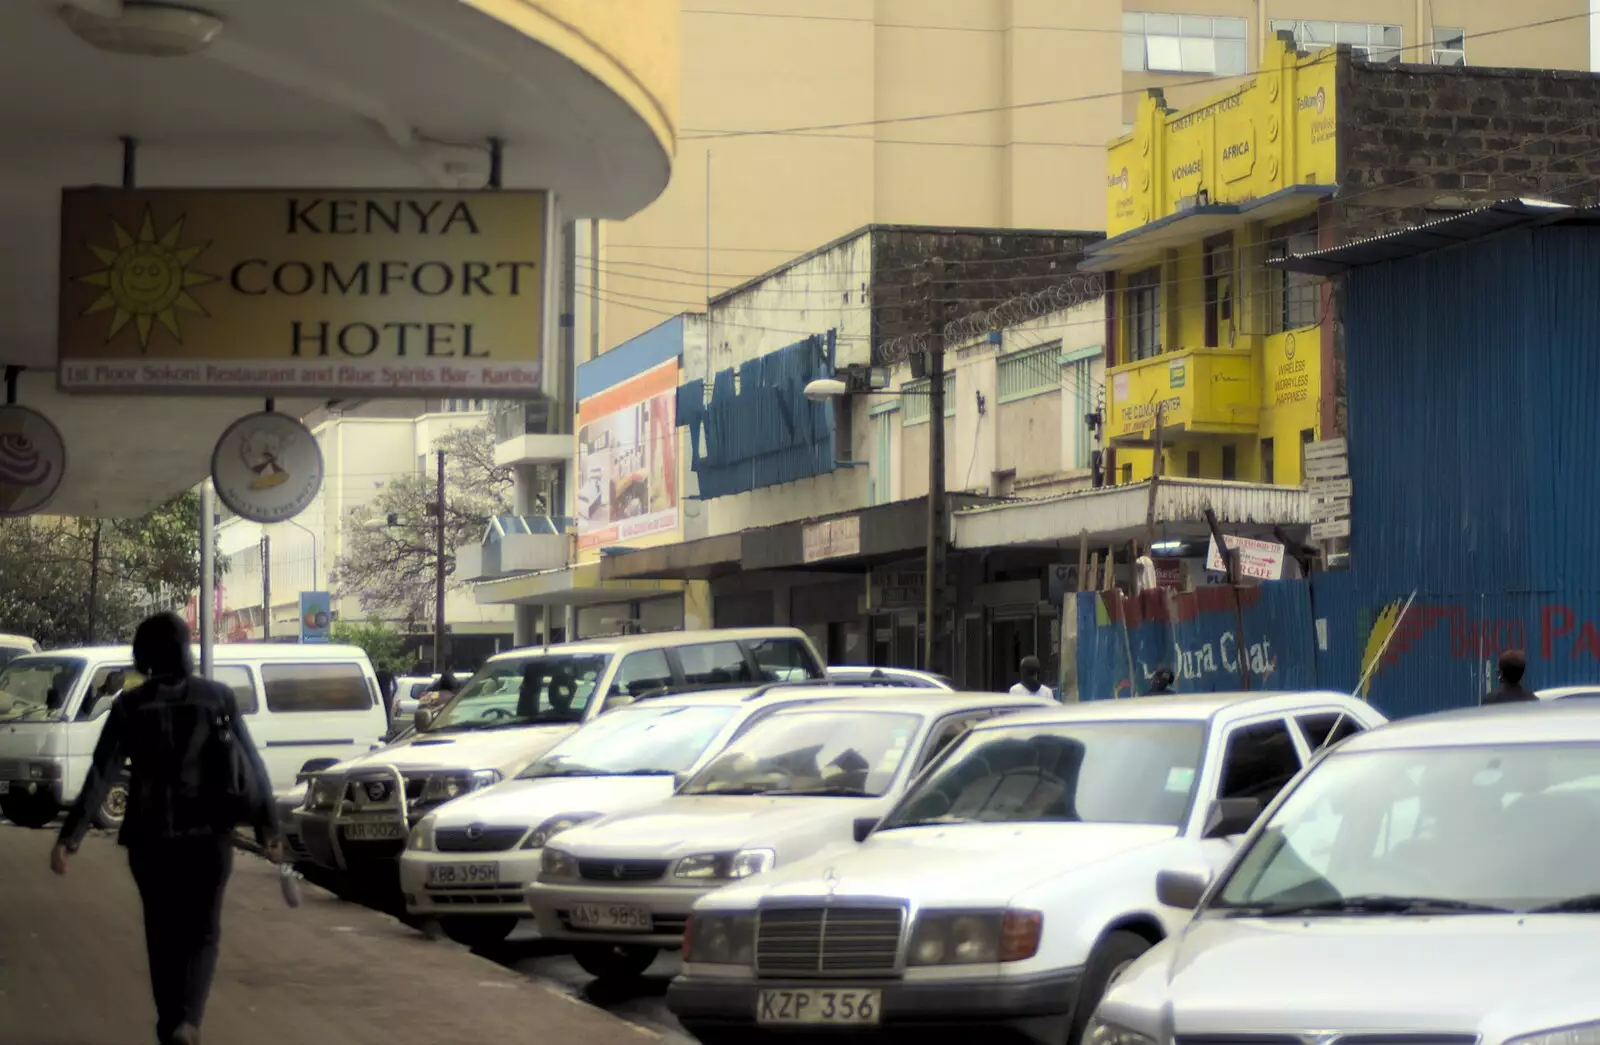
94,584
266,586
439,652
932,651
208,577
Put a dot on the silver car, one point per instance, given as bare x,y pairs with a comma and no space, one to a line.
1435,880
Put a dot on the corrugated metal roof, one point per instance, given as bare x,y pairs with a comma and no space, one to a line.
1434,235
1121,511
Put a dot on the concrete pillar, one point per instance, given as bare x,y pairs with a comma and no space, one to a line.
525,626
525,490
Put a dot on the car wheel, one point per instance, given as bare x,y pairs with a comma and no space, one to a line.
1115,952
481,932
27,810
615,962
111,812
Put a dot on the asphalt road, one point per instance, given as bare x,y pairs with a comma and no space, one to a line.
642,1003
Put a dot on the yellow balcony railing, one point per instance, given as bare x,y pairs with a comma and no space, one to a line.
1210,391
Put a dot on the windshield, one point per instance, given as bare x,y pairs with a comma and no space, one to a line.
532,691
36,688
636,741
1089,772
817,752
1499,827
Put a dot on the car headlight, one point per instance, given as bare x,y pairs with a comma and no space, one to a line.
557,864
43,771
421,839
442,787
555,825
727,866
326,793
1099,1032
974,937
720,939
1576,1034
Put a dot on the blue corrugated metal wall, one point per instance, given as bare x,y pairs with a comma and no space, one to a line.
761,430
1209,642
1474,379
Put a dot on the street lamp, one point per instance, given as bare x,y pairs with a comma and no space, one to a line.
863,380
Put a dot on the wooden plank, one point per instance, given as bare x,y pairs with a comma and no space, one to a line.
1327,531
1326,448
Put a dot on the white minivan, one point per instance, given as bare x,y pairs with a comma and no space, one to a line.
14,646
299,702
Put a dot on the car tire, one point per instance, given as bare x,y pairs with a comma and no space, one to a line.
1115,952
612,962
115,806
478,933
24,810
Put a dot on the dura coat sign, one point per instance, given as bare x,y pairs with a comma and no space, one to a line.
338,292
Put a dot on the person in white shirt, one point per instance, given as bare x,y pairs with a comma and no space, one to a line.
1032,684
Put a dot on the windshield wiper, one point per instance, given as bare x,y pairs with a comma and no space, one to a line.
584,771
742,789
1372,904
1588,903
826,789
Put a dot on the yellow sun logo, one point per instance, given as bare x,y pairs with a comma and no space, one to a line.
146,280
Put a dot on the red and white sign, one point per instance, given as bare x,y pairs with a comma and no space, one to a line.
1261,560
308,377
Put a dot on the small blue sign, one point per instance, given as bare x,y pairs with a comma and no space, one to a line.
316,616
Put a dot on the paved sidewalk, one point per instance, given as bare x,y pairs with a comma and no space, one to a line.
72,967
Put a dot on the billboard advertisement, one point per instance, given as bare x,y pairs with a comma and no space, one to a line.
628,460
342,293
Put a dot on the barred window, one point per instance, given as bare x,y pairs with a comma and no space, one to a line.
1030,372
917,403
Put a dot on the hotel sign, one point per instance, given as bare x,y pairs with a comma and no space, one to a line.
336,292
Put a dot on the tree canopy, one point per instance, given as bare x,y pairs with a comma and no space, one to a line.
145,564
389,561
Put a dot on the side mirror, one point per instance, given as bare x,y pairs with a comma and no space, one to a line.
422,720
864,826
1181,889
1231,816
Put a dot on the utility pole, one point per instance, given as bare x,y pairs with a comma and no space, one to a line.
438,568
933,586
92,625
266,587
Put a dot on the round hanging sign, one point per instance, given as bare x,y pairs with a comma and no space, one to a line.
33,459
267,467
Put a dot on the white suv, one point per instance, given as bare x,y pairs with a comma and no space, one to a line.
793,784
1008,887
358,813
468,863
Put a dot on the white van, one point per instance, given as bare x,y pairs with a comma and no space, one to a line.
14,646
299,702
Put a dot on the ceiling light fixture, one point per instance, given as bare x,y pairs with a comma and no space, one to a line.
149,30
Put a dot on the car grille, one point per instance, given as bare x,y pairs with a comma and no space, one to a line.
622,870
477,840
829,941
1328,1038
493,896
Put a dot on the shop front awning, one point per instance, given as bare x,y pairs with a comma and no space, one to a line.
580,585
1148,241
1118,514
699,560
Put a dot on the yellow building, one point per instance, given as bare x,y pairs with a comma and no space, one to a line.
1227,353
816,117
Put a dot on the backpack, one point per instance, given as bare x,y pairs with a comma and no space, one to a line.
192,775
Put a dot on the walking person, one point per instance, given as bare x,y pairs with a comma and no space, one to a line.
1032,684
195,775
1513,664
